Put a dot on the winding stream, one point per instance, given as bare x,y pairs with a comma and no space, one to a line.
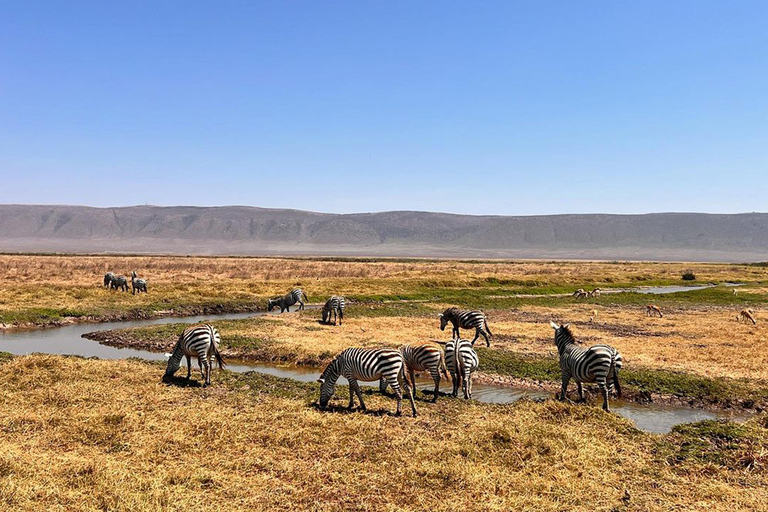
655,418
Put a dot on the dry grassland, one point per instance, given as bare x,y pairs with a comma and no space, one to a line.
106,435
36,290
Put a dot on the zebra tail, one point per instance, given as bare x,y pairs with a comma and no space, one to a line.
217,354
443,368
616,377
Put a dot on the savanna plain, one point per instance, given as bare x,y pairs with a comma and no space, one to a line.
88,434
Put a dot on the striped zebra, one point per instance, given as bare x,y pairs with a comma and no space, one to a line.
289,299
108,278
335,305
598,363
461,367
138,284
360,364
201,341
119,283
466,319
425,356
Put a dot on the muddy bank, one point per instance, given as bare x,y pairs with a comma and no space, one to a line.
266,351
123,316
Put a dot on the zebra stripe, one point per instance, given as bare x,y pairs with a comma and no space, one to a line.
598,363
289,299
420,357
461,367
119,283
360,364
335,305
138,284
201,341
466,319
108,278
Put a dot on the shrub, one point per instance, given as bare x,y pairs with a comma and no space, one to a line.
689,276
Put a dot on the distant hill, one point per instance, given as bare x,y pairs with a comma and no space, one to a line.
260,231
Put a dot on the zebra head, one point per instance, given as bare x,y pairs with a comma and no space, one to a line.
326,315
563,334
443,321
271,303
328,382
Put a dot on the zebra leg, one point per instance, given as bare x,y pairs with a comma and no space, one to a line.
470,385
485,335
477,335
413,380
581,391
189,367
353,384
410,388
436,378
341,316
383,386
604,390
466,384
301,306
564,388
455,379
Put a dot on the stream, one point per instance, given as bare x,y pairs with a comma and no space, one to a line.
67,340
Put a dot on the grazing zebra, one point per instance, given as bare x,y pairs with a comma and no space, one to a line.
289,299
594,293
201,341
139,284
651,310
598,363
108,278
335,305
461,367
746,315
119,283
465,319
579,294
360,364
422,356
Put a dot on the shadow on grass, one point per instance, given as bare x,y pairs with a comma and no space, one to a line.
338,409
182,382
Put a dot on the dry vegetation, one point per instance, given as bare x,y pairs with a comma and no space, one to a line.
106,435
37,290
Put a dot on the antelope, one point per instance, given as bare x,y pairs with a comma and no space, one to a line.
652,310
746,315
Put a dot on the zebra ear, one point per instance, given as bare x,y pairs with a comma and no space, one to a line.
440,315
554,325
321,380
566,326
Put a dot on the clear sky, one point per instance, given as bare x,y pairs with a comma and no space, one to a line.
509,107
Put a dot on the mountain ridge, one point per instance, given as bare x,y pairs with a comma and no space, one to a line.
246,230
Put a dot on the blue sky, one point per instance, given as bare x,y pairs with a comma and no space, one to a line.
509,108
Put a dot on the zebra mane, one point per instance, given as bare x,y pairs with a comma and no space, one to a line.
564,333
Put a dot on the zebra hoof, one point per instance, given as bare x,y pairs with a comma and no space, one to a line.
398,414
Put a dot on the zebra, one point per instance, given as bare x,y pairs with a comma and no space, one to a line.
579,294
335,305
423,356
651,310
461,367
139,284
119,283
289,299
598,363
466,319
361,364
108,278
201,341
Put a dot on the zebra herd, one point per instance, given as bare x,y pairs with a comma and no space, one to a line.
396,368
115,282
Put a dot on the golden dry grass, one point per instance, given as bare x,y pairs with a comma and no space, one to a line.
35,286
106,435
